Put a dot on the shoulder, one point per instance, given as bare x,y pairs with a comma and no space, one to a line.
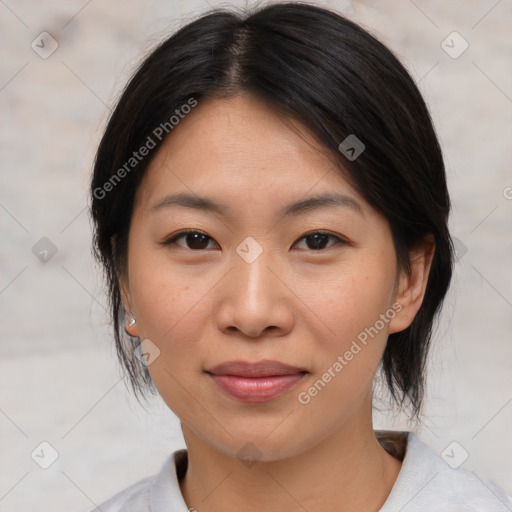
152,493
427,482
134,498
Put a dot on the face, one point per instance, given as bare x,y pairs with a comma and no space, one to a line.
313,286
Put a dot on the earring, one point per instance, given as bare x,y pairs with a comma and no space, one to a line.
131,323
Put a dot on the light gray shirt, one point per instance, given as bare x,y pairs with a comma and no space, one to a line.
425,483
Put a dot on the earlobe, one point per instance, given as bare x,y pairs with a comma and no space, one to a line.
130,323
412,285
130,326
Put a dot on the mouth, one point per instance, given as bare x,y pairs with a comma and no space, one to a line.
255,382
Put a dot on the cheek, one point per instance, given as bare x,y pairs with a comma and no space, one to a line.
351,305
352,300
167,301
173,310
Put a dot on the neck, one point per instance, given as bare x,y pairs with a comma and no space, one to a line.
348,470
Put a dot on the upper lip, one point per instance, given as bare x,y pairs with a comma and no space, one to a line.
264,368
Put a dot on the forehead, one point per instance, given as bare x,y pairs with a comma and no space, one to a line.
240,147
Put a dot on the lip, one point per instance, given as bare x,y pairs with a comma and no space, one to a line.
256,382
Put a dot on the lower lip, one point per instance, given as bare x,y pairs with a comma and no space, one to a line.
256,389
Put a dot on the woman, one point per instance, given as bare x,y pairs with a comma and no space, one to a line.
270,208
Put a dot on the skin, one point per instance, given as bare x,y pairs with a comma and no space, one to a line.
294,303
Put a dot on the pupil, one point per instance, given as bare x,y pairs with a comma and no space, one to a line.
196,242
318,240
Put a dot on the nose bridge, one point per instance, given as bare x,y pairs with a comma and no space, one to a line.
252,276
254,299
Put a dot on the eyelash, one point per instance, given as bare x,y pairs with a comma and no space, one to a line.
172,240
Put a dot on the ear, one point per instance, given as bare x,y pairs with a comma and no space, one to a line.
126,296
412,285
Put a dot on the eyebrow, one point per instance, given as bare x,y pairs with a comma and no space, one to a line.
326,200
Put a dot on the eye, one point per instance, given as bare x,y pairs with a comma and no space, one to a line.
195,240
317,240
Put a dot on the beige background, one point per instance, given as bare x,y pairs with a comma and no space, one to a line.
59,379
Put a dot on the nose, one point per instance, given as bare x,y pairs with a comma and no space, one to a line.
254,299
